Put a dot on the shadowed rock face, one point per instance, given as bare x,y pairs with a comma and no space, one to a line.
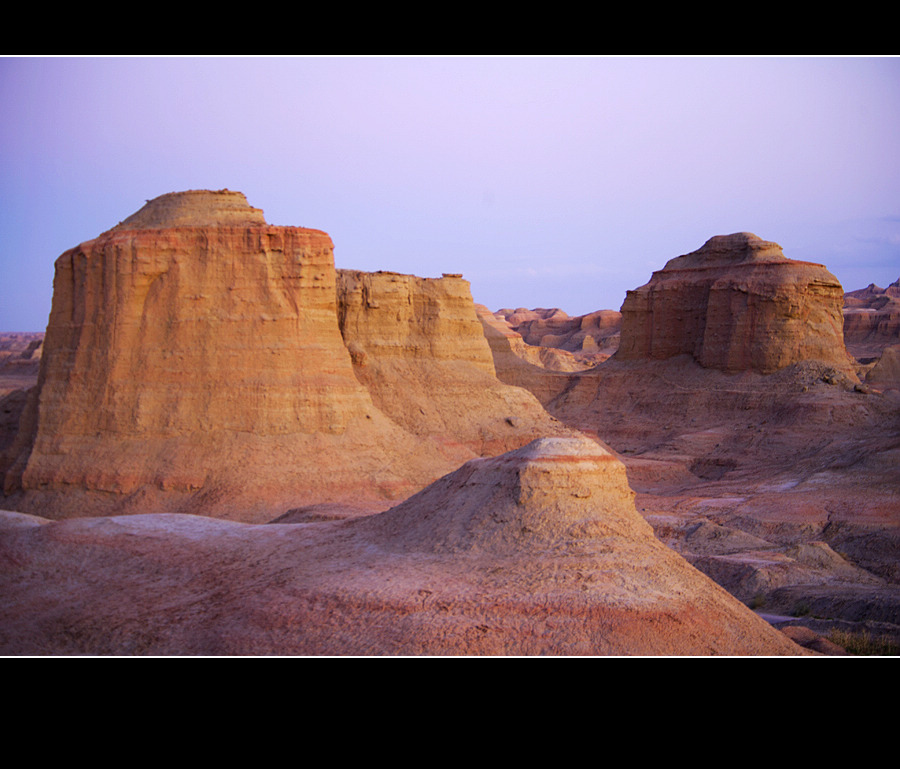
736,304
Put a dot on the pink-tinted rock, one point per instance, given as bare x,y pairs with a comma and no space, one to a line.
536,552
871,321
736,304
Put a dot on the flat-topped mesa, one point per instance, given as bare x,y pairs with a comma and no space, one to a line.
195,208
737,304
391,315
195,345
199,358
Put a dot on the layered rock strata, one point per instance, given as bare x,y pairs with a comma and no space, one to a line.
194,349
173,352
418,347
543,371
736,304
590,338
871,321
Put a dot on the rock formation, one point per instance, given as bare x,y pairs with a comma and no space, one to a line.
20,358
199,360
418,347
538,551
590,338
871,321
736,304
543,371
885,373
194,351
548,495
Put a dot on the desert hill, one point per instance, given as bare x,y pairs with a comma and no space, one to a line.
538,551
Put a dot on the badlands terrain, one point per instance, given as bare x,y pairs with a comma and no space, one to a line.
223,444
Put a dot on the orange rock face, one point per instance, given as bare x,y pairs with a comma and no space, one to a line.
194,361
170,346
419,348
389,315
736,304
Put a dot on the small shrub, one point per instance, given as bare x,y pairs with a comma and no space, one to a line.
864,644
757,602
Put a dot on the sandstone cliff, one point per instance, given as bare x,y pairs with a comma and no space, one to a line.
418,347
736,304
194,358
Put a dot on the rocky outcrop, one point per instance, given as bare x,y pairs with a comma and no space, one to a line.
590,338
871,321
538,497
418,347
736,304
195,208
543,371
20,359
536,552
177,355
387,315
194,351
886,371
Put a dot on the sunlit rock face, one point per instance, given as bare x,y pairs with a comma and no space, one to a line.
200,360
162,331
419,348
194,345
736,304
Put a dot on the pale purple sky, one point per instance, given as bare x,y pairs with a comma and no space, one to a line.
548,182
